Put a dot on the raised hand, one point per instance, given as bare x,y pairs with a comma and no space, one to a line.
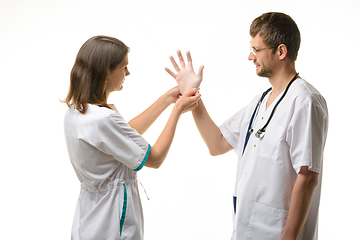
185,76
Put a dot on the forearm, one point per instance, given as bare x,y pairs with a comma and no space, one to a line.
162,146
300,204
209,131
143,121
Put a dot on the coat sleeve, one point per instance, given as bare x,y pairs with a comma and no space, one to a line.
122,142
306,136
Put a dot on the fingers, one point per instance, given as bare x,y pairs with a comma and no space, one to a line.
200,72
182,64
175,91
173,94
188,101
191,92
194,102
191,107
181,59
197,96
170,72
174,64
188,55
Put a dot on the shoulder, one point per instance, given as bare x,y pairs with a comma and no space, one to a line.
304,89
101,113
305,94
96,117
105,118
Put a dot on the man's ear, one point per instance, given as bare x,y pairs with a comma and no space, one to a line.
282,51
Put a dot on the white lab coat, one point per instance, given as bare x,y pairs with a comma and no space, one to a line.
267,170
106,153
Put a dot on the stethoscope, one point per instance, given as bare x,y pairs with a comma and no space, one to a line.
261,132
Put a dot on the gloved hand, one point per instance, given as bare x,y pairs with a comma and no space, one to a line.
185,77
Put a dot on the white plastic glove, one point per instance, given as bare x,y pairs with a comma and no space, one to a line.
186,77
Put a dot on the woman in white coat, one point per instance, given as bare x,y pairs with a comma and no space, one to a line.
105,150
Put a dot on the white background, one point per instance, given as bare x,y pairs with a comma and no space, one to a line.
191,194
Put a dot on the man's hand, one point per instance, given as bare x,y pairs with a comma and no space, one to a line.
185,76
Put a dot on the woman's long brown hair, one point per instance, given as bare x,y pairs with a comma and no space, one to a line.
96,58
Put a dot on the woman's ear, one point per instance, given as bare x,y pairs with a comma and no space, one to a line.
282,51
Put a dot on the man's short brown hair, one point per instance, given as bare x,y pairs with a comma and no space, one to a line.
275,29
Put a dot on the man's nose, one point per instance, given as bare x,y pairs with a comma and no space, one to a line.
251,57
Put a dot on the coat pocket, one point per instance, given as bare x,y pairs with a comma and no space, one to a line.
271,142
266,223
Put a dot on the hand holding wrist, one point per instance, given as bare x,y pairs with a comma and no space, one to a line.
171,96
188,101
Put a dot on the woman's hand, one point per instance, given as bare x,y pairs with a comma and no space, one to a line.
188,101
172,95
185,77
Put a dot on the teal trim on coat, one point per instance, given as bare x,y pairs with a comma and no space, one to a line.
123,214
144,160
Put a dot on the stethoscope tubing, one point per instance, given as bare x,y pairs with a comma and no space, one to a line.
261,131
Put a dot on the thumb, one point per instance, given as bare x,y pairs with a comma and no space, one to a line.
190,93
200,72
170,72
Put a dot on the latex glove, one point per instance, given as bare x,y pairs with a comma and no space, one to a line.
185,76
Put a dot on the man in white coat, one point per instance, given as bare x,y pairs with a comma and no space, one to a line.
279,138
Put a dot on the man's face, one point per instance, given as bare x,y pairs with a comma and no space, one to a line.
264,58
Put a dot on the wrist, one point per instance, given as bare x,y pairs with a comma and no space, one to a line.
200,109
164,101
177,110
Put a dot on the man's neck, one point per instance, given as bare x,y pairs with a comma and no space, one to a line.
281,79
279,84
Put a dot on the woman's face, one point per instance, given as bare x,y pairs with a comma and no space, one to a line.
117,76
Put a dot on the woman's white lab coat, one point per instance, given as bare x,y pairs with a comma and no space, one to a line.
106,153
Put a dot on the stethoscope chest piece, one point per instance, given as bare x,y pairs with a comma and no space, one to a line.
260,133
